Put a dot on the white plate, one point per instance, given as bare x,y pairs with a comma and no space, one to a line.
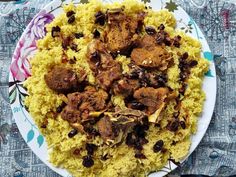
20,70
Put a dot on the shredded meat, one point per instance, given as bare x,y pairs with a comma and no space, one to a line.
102,64
80,104
150,54
121,31
151,98
61,80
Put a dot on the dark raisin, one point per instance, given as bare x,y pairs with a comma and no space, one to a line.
161,27
193,63
96,58
137,105
144,81
140,155
72,61
145,123
185,56
183,76
94,120
66,42
173,126
161,80
160,38
150,30
74,47
134,75
114,54
130,140
88,161
176,44
104,157
71,19
70,13
60,108
43,126
183,88
72,133
140,27
55,31
76,152
143,141
96,33
167,41
138,145
178,37
139,131
79,35
100,18
91,148
91,131
182,124
158,146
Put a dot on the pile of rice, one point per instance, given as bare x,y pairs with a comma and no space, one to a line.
42,101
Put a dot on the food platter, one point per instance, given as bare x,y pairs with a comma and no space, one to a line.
20,71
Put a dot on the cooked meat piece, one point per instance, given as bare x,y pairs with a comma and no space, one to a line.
74,100
98,56
85,102
151,98
106,78
70,114
96,100
126,86
121,31
150,54
154,57
147,42
102,64
61,79
105,128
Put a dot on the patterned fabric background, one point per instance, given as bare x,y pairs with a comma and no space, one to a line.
216,154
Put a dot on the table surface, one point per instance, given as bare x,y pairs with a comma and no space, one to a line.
216,154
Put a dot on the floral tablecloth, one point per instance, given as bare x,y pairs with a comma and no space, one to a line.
216,154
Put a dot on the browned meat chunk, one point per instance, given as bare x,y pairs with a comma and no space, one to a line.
150,54
105,128
151,98
102,64
147,42
121,31
126,86
93,101
106,78
80,104
61,79
70,114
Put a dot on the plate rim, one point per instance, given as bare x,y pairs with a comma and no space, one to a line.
173,166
